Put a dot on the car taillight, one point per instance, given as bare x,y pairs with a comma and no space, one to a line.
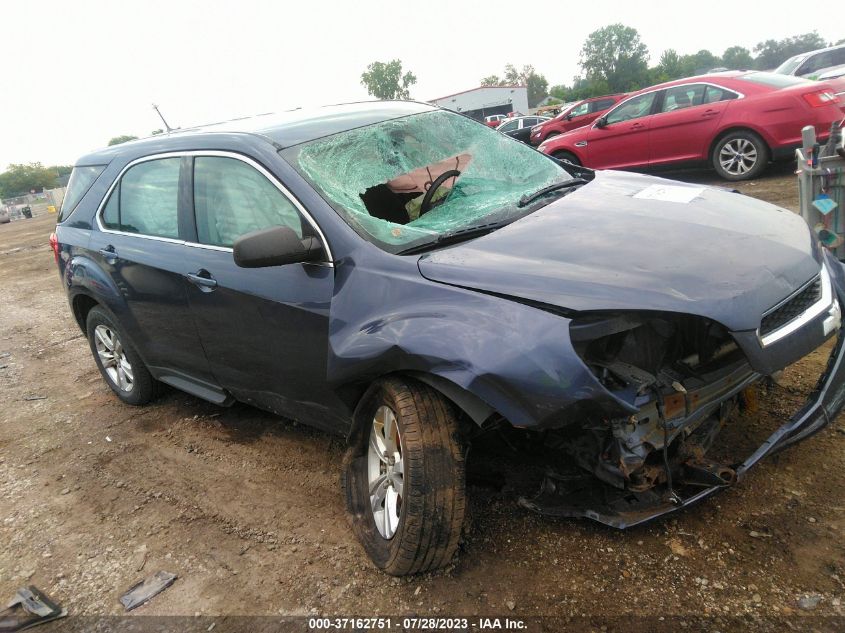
54,245
820,98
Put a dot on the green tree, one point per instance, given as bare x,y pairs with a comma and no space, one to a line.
737,58
61,170
671,66
21,178
528,77
700,62
117,140
560,91
614,54
386,81
772,53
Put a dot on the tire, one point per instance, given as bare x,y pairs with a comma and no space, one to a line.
430,503
740,155
567,156
128,376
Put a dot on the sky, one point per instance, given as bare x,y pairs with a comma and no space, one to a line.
76,74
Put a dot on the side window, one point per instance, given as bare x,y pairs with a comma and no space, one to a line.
510,126
632,109
145,200
712,94
601,104
529,122
681,97
232,198
580,110
111,213
816,62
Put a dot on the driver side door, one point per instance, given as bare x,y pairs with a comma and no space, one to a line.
623,141
264,330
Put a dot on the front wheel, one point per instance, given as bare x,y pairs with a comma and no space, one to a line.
569,157
404,478
740,155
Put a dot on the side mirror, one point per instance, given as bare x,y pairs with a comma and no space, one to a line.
601,122
569,117
275,246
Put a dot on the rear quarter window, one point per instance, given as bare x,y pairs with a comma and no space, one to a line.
81,179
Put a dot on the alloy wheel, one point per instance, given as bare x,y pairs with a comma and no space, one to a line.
385,471
738,156
113,357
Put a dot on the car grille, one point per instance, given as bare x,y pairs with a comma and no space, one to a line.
792,308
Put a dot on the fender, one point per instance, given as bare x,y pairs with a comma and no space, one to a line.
485,353
84,276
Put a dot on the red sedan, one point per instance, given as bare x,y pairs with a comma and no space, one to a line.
577,115
735,121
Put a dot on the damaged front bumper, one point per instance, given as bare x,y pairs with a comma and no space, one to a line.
575,495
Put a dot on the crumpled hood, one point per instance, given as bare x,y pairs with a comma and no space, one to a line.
721,255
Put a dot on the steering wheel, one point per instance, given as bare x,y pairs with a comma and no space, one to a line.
425,205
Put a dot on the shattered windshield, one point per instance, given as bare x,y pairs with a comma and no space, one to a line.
409,181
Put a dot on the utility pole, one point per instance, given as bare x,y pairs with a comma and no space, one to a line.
166,126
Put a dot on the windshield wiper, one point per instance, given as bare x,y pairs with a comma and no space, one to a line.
564,184
457,236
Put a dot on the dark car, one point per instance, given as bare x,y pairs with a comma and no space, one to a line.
410,279
576,115
520,127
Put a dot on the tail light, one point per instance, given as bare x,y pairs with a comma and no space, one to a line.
820,98
54,245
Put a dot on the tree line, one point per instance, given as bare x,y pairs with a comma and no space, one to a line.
613,59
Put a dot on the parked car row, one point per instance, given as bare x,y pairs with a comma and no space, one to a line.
734,121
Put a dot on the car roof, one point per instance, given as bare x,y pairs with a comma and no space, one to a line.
283,129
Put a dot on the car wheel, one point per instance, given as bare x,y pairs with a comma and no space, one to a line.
567,156
404,478
117,360
740,156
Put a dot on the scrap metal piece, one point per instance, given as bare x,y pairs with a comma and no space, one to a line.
146,589
28,608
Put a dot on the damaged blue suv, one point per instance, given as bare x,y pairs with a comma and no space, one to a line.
405,277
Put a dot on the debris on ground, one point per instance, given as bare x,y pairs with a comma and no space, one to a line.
146,589
809,602
28,608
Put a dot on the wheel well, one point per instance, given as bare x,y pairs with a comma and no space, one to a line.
82,305
467,403
731,130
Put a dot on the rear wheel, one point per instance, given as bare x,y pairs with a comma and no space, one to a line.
740,155
404,478
567,156
117,360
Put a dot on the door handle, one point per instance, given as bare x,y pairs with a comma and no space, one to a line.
710,113
203,280
108,254
637,126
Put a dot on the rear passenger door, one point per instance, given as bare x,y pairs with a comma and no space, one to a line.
264,330
139,244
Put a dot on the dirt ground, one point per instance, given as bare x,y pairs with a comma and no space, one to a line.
246,507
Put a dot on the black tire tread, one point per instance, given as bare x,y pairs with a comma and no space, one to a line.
145,387
435,498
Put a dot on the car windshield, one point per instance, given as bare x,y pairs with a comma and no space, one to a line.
409,181
788,67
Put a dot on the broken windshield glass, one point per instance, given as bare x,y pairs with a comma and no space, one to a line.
407,181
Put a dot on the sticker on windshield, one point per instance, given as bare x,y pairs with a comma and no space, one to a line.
670,193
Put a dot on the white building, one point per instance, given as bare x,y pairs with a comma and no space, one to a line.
486,100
